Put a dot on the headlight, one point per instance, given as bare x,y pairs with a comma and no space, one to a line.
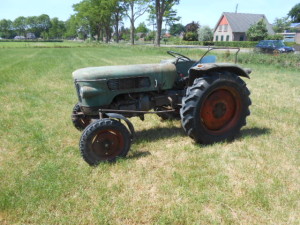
81,92
86,91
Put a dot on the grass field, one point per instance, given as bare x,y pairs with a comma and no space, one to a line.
166,178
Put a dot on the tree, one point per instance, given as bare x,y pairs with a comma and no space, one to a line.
205,34
281,24
32,25
6,28
151,22
57,29
142,28
118,13
133,10
43,25
258,31
294,13
171,18
161,9
95,16
191,31
20,25
71,27
176,29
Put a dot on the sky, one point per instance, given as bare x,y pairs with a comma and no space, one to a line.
205,12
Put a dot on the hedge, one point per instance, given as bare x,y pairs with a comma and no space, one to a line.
28,40
240,44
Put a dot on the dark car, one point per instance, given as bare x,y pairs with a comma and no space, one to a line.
273,46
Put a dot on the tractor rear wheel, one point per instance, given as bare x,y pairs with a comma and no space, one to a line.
104,140
215,108
80,122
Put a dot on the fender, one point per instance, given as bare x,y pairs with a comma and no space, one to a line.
121,117
201,70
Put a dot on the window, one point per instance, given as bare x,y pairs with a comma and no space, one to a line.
227,38
222,38
220,28
225,27
217,38
242,38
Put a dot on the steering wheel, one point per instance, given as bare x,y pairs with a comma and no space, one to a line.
178,56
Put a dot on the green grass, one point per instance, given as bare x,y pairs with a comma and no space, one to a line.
166,178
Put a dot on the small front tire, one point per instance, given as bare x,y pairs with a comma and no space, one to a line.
80,122
104,140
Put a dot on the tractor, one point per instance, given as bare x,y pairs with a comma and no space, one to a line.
210,99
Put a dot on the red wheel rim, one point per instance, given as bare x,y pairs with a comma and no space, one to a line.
107,144
221,110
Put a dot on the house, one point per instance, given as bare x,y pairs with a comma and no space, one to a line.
292,34
233,26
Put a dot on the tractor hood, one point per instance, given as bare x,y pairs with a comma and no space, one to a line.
107,72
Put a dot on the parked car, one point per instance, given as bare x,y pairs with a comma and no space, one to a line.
273,46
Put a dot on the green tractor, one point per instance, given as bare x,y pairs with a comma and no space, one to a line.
209,98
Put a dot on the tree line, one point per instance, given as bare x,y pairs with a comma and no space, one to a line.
103,20
99,19
38,26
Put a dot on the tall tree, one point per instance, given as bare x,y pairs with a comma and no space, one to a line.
281,24
258,31
20,25
176,29
117,14
294,13
71,27
205,34
96,15
133,10
44,24
170,18
32,25
191,31
152,22
57,29
6,28
161,9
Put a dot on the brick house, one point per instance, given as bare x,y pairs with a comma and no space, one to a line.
233,26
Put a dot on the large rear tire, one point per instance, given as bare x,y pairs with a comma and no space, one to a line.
104,141
215,108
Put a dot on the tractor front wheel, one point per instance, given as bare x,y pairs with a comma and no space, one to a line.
80,122
104,140
215,108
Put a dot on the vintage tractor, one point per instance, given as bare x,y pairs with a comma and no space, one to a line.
210,98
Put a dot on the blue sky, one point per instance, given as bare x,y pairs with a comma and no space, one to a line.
205,12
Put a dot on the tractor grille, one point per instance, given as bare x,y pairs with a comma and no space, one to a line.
128,83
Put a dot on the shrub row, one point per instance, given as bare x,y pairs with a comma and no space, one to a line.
240,44
29,40
203,43
281,60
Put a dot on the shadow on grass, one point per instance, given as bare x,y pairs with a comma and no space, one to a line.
138,154
155,134
253,132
